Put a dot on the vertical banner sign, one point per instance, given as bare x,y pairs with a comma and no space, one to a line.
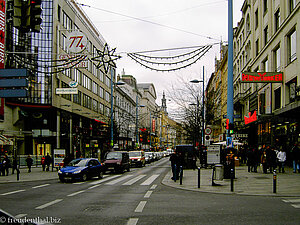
153,125
2,49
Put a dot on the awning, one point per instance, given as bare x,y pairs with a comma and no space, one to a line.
5,141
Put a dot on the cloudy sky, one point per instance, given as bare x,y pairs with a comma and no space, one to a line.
142,25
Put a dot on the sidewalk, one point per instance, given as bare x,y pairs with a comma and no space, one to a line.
245,183
35,175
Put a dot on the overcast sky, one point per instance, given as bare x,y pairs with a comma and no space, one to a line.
199,18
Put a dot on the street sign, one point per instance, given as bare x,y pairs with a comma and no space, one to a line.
207,131
76,42
65,91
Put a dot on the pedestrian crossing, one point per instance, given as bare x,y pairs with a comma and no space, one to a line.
126,180
294,202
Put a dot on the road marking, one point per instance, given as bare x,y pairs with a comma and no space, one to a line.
296,206
132,221
132,181
78,183
48,204
118,180
75,193
148,194
150,179
153,187
20,216
43,185
291,200
97,185
12,192
104,179
140,207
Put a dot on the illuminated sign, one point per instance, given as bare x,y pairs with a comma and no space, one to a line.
263,77
251,118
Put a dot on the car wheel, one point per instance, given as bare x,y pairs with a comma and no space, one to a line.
100,175
84,177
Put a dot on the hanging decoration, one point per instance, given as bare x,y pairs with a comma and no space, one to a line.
106,58
169,63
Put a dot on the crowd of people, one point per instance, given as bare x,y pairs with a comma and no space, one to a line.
271,158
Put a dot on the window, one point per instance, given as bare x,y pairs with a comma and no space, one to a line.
58,12
266,36
265,6
248,24
95,105
277,20
292,90
291,46
107,96
265,65
101,92
256,47
277,59
77,76
64,42
256,19
87,101
278,98
95,88
77,98
292,5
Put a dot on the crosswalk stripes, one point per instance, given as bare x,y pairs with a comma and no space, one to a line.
294,202
134,180
118,180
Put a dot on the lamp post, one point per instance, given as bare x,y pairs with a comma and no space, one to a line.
199,81
112,106
137,120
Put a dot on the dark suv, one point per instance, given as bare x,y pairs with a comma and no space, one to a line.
117,161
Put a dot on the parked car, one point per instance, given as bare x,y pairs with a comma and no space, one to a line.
117,161
81,169
149,157
137,158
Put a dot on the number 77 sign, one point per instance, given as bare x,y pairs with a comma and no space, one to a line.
76,42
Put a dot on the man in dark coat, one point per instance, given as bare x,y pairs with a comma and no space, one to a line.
48,161
174,162
29,162
6,165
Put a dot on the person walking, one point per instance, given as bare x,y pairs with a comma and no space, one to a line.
264,161
29,162
174,162
281,156
48,161
14,165
43,162
272,160
6,165
296,157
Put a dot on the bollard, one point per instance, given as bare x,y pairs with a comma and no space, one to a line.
231,177
175,172
274,181
18,174
181,174
199,177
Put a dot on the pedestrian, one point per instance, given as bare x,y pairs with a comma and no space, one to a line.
48,161
14,165
296,157
272,160
29,162
43,162
264,161
250,159
5,165
174,161
281,156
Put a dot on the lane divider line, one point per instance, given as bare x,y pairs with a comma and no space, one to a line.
132,181
132,221
48,204
140,207
97,185
12,192
153,187
75,193
148,194
150,179
40,186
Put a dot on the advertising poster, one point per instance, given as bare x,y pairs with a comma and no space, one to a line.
59,155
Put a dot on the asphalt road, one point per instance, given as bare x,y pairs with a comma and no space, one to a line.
138,197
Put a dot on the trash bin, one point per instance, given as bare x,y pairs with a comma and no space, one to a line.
219,172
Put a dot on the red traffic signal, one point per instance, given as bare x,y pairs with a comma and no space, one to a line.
227,124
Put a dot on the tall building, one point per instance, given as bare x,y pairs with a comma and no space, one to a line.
49,119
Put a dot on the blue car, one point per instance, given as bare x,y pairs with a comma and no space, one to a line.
81,169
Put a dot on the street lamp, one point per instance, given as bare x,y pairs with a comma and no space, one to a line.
112,106
196,82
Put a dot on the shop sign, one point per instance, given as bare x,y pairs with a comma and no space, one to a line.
251,118
76,42
262,77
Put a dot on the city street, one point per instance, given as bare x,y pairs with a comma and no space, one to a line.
139,197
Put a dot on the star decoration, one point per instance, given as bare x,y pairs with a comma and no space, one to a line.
106,58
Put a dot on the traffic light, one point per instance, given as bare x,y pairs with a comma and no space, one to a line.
17,13
231,126
227,124
33,15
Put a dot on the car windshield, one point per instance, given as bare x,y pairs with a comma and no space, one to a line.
134,154
78,162
114,155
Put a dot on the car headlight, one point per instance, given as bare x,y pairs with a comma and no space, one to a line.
59,172
78,171
139,159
